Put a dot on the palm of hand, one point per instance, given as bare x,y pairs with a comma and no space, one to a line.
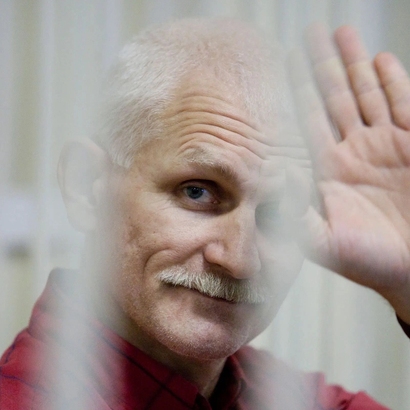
365,189
363,181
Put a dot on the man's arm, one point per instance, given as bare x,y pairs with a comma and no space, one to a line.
363,180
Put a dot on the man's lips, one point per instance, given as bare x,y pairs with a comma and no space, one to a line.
214,298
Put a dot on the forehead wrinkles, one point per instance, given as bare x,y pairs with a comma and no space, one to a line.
208,111
284,157
206,114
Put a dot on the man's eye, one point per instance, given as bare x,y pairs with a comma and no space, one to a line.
199,194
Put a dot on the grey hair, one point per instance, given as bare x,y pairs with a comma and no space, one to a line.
152,66
216,285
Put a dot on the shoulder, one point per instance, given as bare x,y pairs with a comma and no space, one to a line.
276,382
40,375
23,373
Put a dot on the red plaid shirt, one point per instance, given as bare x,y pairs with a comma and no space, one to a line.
66,359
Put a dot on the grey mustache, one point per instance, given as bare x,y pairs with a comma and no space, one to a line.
216,285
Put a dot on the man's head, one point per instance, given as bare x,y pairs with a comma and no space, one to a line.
182,204
152,67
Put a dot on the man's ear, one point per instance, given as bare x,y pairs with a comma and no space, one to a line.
81,171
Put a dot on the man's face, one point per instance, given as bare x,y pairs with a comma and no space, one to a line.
203,198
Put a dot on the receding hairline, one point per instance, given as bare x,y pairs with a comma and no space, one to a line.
151,67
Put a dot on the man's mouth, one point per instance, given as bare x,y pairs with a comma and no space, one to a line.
217,298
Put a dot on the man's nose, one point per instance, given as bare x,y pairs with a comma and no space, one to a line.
234,244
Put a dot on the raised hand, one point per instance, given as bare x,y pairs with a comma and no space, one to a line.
362,175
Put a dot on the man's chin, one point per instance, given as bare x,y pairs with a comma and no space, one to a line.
206,340
206,329
206,349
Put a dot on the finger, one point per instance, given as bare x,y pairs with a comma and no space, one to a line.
396,84
362,76
311,112
332,81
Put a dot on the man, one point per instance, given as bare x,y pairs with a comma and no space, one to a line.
188,254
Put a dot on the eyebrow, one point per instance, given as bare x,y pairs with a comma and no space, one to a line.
205,159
